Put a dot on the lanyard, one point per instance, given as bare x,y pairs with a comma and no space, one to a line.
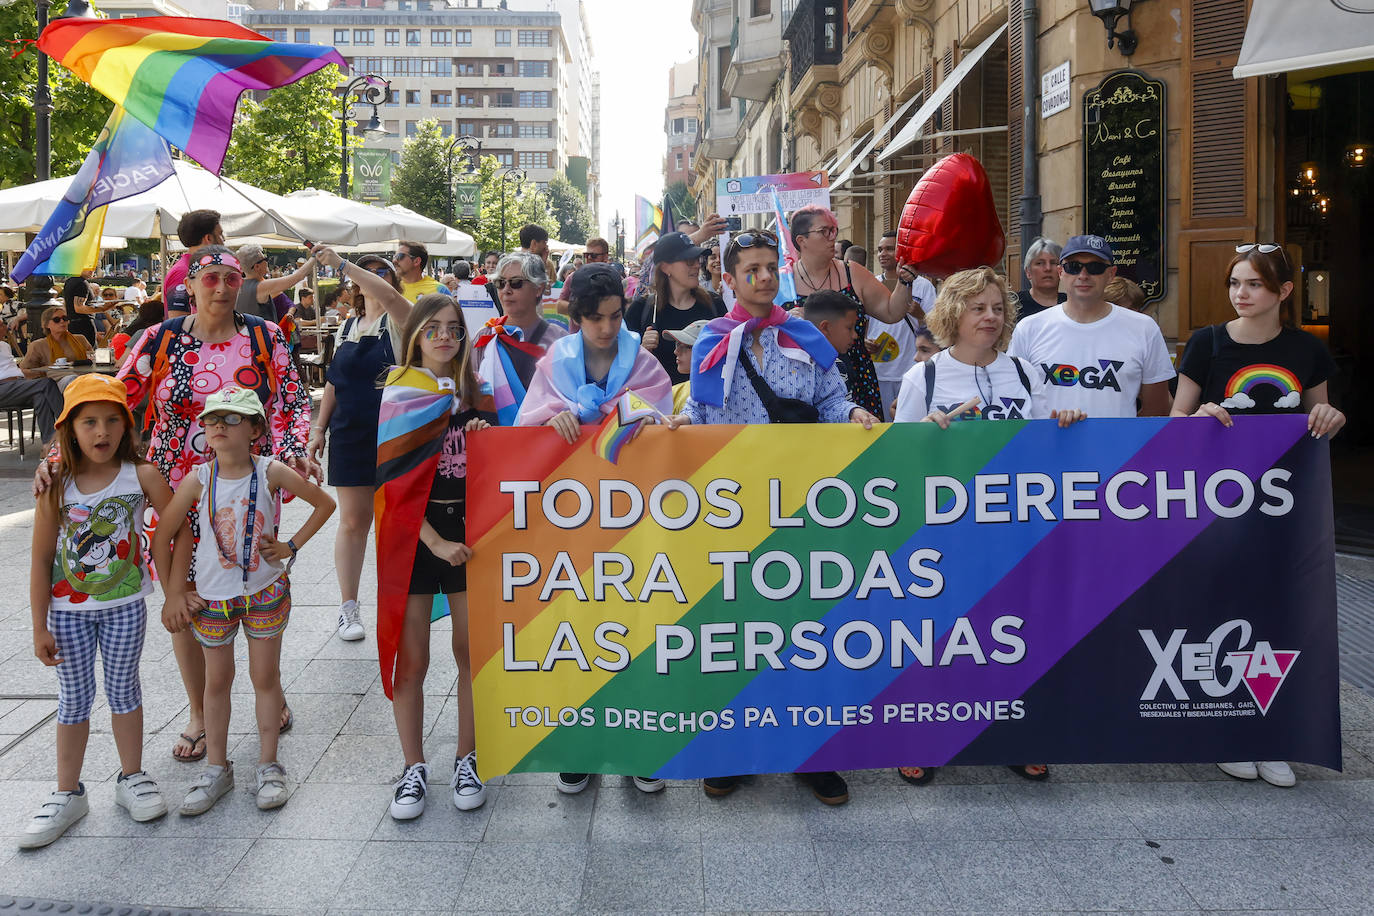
248,522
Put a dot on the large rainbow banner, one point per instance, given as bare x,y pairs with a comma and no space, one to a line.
745,599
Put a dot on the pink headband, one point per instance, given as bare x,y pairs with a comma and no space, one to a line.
222,258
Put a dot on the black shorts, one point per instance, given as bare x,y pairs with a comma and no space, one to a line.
431,575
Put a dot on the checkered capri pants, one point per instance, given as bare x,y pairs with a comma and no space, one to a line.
119,632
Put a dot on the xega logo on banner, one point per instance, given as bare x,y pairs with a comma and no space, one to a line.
1262,669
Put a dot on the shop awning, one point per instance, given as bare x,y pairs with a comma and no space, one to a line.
1282,35
833,164
877,135
913,128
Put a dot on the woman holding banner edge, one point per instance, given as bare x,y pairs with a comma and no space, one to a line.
973,317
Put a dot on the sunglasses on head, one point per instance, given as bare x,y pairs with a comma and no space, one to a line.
515,283
1094,268
231,280
222,419
759,239
1263,248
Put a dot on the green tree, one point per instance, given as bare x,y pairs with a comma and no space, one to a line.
683,204
524,203
420,181
570,211
78,110
290,140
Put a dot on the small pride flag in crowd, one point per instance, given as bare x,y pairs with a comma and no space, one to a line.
623,424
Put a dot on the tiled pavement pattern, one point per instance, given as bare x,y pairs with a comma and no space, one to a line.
1160,839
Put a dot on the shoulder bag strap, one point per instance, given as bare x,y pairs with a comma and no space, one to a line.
1021,373
930,382
766,394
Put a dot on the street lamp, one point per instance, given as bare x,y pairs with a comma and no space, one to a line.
468,144
1109,11
618,229
507,174
368,89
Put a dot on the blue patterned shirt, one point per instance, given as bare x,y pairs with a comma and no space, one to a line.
788,378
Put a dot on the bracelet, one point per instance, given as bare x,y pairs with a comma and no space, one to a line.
291,542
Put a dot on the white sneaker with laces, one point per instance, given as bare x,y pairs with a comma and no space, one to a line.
408,802
649,784
1277,773
139,795
1240,769
272,788
468,790
351,621
210,786
54,816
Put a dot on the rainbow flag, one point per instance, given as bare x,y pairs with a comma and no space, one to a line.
180,76
127,159
648,223
614,434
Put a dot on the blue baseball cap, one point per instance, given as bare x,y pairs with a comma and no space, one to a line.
1088,244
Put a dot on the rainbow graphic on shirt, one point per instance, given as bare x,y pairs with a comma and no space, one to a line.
1240,390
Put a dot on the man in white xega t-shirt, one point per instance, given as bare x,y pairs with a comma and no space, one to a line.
1092,355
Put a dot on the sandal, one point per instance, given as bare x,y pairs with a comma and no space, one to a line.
1023,770
194,755
289,721
909,774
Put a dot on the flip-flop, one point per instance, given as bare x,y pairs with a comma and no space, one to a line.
290,721
927,774
193,756
1020,770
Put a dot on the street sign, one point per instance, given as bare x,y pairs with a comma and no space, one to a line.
1055,90
467,201
372,175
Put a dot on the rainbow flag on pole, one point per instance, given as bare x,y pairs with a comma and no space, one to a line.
180,76
127,159
648,223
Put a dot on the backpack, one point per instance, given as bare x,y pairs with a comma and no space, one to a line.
259,340
930,379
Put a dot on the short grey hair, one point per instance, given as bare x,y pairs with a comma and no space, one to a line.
1038,246
531,266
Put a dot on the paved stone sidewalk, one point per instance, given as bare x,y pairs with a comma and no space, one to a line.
1176,839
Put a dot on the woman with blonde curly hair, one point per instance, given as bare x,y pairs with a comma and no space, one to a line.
974,379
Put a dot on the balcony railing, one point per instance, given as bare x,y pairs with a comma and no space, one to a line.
813,29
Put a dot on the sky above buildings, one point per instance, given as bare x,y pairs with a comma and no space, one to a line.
635,43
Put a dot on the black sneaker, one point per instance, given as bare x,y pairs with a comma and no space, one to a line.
719,786
828,786
572,783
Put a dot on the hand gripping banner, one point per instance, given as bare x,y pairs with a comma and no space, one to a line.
745,599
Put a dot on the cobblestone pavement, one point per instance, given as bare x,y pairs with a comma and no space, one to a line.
1169,838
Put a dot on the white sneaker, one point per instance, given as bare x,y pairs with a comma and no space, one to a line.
649,784
468,791
1277,773
351,621
54,816
139,795
572,783
1241,769
210,786
272,790
409,800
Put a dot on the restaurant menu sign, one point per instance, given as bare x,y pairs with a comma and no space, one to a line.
1124,183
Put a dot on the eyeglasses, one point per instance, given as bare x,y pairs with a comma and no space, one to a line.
222,419
829,232
515,283
400,254
434,331
380,270
1094,268
230,280
1264,248
61,318
760,239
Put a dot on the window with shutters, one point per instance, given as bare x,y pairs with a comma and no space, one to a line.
947,109
1016,133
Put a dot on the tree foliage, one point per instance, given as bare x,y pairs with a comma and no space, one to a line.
524,203
570,211
78,110
683,204
290,140
420,181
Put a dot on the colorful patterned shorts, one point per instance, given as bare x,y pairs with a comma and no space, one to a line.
264,615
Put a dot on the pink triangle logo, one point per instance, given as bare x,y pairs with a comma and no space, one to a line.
1264,671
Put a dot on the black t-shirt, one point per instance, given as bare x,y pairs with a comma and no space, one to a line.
1029,306
1256,378
77,323
640,315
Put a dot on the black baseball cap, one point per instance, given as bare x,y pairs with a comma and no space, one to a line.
595,275
676,246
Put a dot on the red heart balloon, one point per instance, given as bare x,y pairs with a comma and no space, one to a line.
950,222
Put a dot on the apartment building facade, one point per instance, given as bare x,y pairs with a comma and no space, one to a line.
681,122
517,80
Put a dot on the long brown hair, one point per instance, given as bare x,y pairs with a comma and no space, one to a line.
462,371
71,460
1274,271
663,290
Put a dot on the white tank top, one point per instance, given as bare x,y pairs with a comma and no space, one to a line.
219,554
99,560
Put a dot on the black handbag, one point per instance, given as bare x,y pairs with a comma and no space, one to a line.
780,410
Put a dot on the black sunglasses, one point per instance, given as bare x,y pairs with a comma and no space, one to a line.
1094,268
515,283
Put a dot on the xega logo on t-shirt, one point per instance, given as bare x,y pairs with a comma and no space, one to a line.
1009,409
1103,375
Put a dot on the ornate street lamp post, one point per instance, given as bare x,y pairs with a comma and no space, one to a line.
370,89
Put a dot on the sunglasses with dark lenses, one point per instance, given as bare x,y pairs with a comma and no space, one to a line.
595,256
61,318
400,254
222,419
759,239
516,283
1094,268
232,281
